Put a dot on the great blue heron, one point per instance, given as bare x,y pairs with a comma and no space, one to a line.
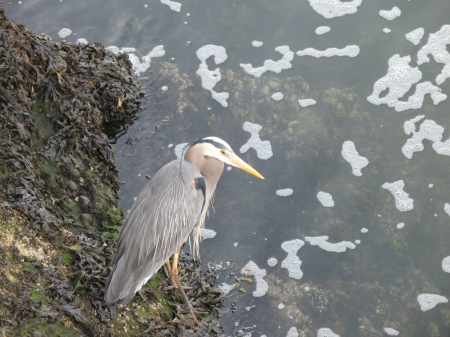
170,206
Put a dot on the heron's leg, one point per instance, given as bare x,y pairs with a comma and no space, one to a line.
176,280
169,270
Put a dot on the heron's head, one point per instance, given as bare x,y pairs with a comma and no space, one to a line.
211,148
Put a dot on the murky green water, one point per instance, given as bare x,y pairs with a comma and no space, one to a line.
356,293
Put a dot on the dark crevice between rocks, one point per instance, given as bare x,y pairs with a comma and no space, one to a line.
59,216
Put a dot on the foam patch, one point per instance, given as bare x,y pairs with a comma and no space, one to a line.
292,263
175,6
352,156
211,77
429,301
335,8
285,192
415,36
322,242
350,51
270,65
263,148
261,285
392,14
325,199
402,200
437,46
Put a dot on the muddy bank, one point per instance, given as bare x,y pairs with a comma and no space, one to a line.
59,216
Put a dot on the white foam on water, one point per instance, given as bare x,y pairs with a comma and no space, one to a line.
392,14
207,233
430,185
306,102
322,242
415,36
364,230
357,242
447,208
272,262
428,130
402,200
65,32
257,44
429,301
175,6
164,88
263,148
400,225
437,46
446,264
278,96
350,51
261,285
285,192
270,65
292,263
281,306
292,332
225,288
353,158
138,66
211,77
325,199
82,41
235,244
335,8
326,332
399,80
179,149
322,30
391,332
386,30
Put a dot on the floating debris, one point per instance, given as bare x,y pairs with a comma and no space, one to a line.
415,36
325,332
270,65
285,192
211,77
164,88
322,242
257,44
306,102
364,230
278,96
392,14
335,8
400,225
353,158
175,6
322,30
65,32
293,332
263,148
429,301
281,306
292,263
325,199
402,200
272,262
207,233
350,51
261,285
391,332
386,30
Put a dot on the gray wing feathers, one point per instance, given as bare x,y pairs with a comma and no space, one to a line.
163,215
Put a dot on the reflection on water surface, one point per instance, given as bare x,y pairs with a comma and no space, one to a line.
323,115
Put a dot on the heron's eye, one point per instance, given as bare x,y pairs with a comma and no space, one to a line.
223,152
207,157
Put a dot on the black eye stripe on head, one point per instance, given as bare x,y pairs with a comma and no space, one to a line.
210,141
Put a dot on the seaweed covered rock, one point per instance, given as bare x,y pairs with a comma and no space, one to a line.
58,195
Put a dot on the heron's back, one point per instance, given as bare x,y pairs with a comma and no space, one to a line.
163,215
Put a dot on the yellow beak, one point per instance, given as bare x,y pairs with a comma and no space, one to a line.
238,162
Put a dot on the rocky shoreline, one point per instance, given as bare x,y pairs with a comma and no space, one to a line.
59,216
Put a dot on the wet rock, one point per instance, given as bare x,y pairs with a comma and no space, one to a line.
83,201
72,186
